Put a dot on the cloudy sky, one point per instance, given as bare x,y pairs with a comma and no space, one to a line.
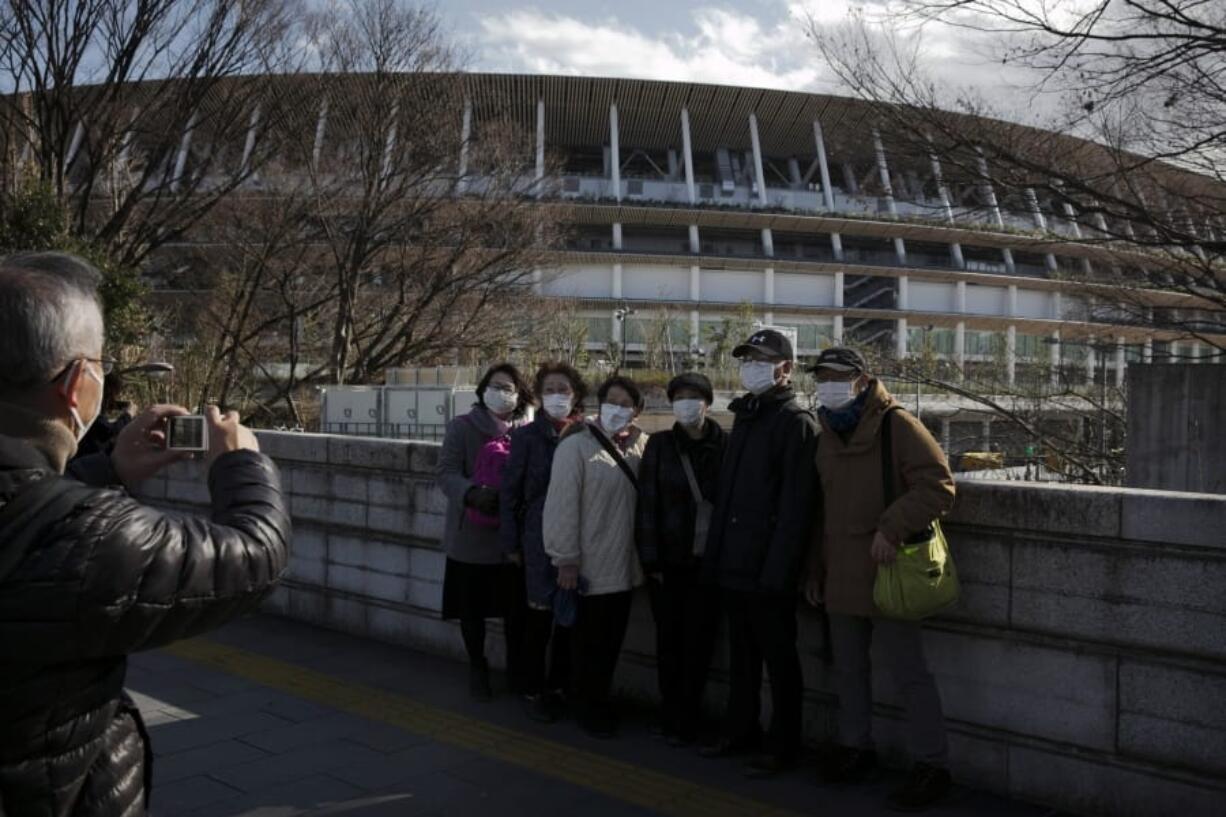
735,42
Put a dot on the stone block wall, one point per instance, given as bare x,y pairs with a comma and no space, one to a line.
1085,666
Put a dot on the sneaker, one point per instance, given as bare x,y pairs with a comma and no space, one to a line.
479,682
769,764
924,786
844,764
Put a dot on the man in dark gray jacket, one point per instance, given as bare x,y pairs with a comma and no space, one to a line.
87,574
759,534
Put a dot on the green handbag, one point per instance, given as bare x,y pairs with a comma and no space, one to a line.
923,580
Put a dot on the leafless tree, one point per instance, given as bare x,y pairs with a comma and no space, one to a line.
385,232
136,112
1129,158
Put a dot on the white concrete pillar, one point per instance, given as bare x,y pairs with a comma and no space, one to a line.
185,144
1057,306
1013,300
389,147
1194,352
994,208
904,292
1147,354
538,280
768,287
883,170
1011,355
466,135
1055,357
687,148
960,344
759,175
837,330
78,136
672,164
695,241
617,235
695,330
836,241
695,284
955,249
321,125
615,159
839,282
617,280
960,297
1173,352
900,339
794,173
768,242
1091,360
1121,361
540,142
244,166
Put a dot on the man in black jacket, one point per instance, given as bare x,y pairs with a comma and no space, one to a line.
759,534
87,574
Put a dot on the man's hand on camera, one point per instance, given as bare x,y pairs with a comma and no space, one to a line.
226,434
140,448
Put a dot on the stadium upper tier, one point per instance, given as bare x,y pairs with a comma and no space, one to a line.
682,201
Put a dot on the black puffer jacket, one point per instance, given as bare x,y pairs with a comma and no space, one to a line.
761,525
664,517
99,576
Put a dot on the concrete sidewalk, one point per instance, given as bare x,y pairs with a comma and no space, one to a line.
273,718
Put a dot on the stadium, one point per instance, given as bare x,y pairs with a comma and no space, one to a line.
686,200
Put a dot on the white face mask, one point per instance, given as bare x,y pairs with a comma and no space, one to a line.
82,427
757,376
500,402
835,395
689,413
615,418
557,406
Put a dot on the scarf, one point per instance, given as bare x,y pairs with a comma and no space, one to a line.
845,420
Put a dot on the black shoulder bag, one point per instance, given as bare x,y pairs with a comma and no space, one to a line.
612,451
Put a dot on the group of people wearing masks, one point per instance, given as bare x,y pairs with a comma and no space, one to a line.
553,522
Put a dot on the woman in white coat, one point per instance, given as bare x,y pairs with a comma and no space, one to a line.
589,536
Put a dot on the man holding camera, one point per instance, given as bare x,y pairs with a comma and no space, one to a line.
88,574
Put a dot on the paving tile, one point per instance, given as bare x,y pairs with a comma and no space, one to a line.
203,760
178,736
298,763
429,758
315,794
186,795
332,726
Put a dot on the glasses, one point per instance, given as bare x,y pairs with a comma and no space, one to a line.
107,364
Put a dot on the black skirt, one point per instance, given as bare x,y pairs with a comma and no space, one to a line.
481,591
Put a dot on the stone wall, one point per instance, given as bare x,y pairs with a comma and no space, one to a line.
1084,668
1176,440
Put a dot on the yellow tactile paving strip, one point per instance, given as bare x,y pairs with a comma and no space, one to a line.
661,793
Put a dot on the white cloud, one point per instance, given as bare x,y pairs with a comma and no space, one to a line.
727,47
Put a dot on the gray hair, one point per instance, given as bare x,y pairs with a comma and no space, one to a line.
50,314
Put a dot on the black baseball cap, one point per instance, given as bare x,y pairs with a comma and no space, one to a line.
692,380
840,359
768,342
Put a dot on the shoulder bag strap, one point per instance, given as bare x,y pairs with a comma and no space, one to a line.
612,451
887,455
688,467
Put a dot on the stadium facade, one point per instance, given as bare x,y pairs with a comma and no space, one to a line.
686,200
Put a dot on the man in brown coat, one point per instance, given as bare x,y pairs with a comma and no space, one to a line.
857,533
